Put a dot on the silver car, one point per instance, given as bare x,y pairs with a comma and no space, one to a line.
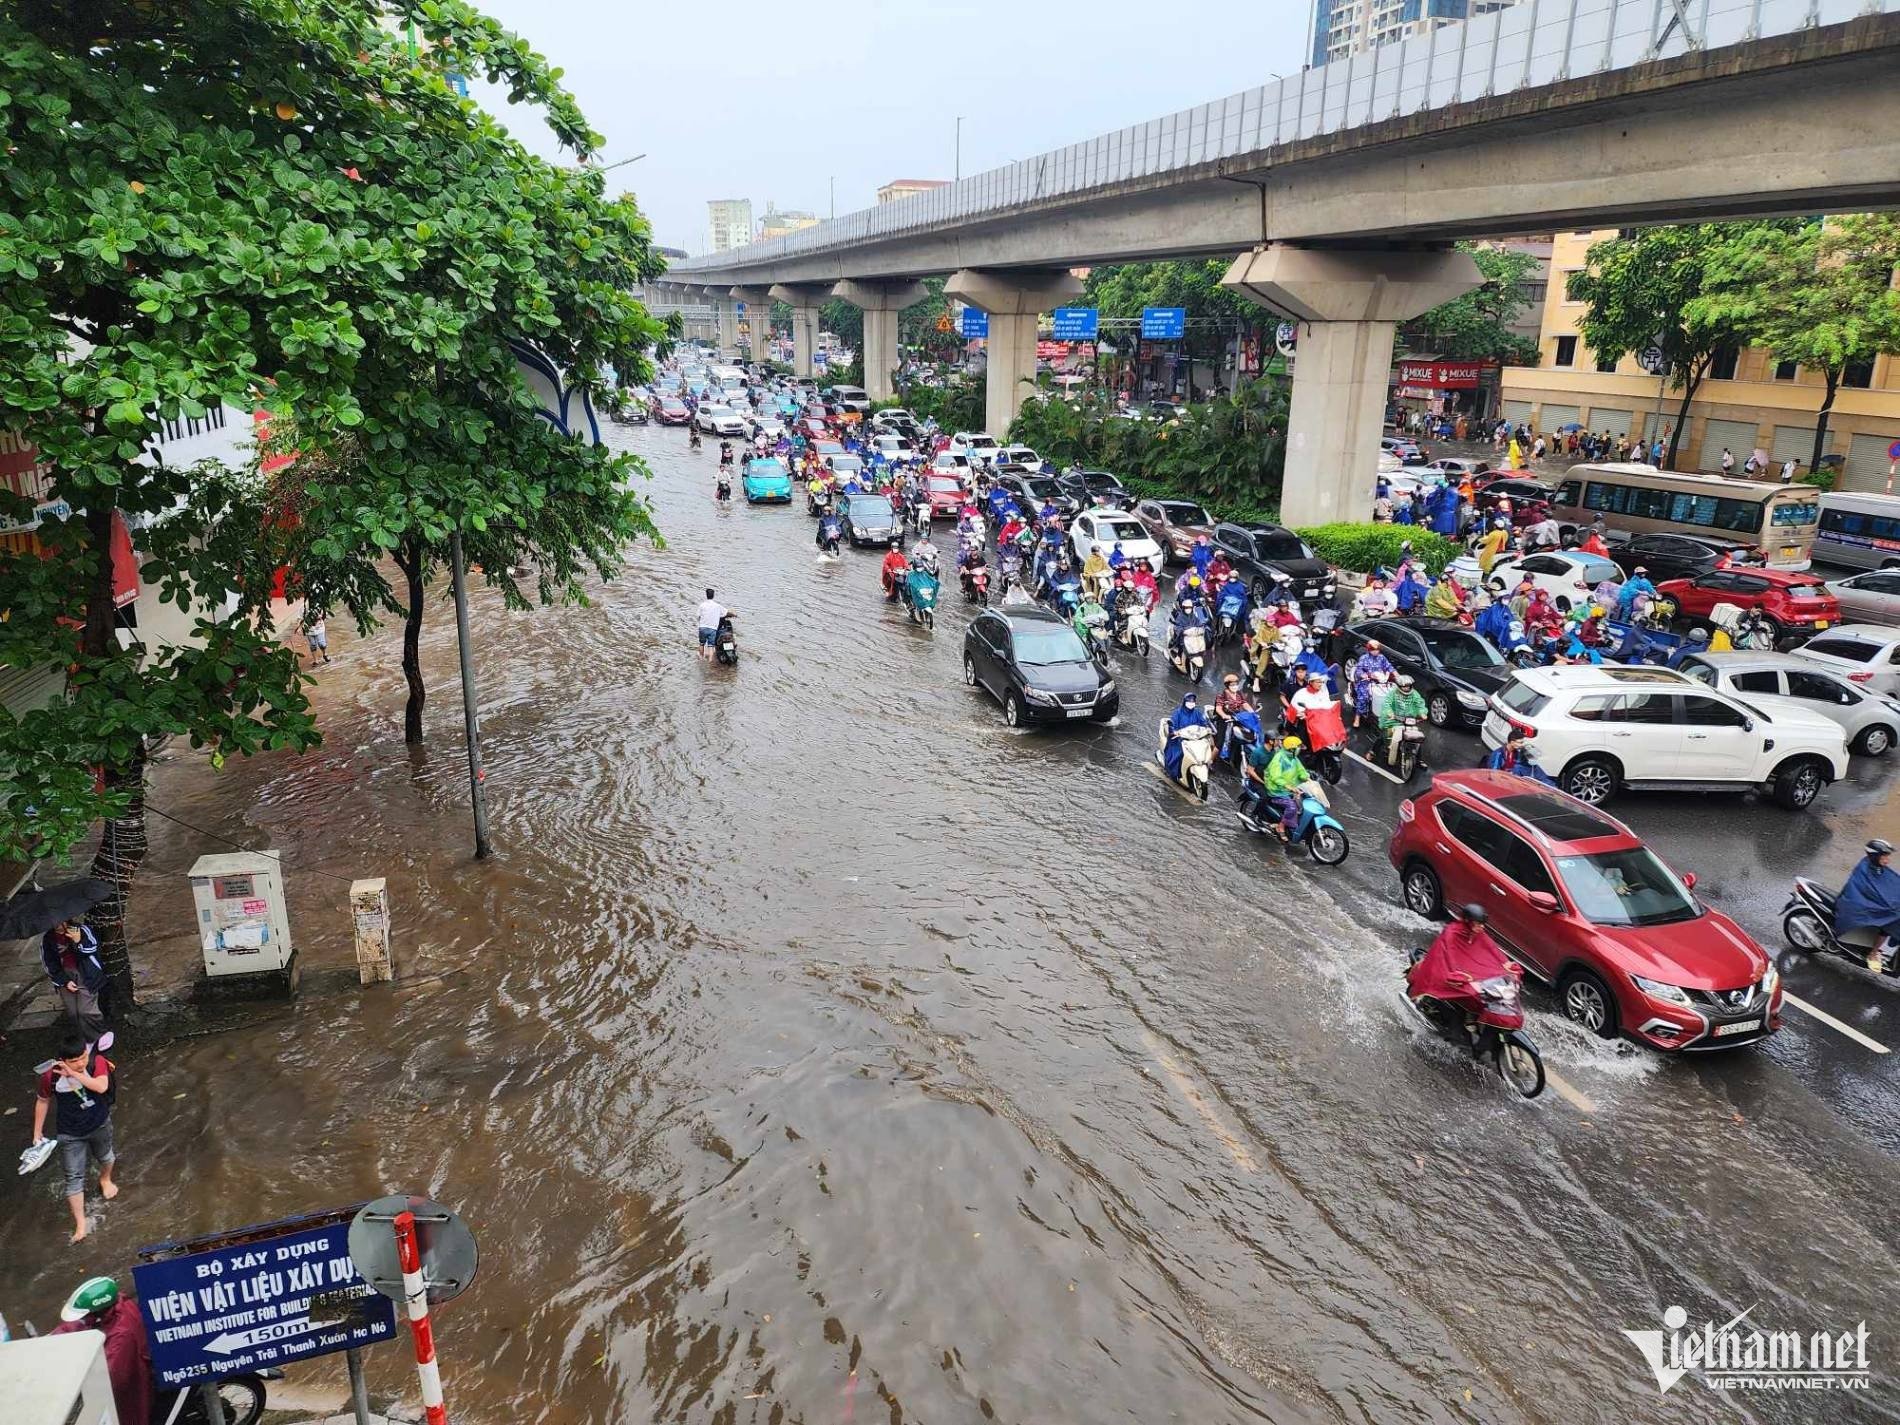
1873,597
1870,720
1865,654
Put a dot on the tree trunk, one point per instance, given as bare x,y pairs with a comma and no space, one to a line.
1691,383
1833,376
409,558
122,846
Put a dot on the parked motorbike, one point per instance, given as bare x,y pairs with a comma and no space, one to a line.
725,642
242,1397
1197,758
1189,653
1316,828
1807,921
1492,1024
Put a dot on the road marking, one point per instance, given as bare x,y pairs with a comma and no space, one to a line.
1575,1097
1191,1091
1832,1023
1373,767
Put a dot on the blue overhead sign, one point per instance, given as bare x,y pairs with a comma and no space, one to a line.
264,1303
1075,324
1164,323
976,322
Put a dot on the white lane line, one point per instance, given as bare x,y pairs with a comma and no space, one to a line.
1373,767
1575,1097
1832,1023
1184,1084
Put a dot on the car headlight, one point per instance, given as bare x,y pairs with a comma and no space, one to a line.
1470,700
1108,686
1037,695
1770,980
1668,994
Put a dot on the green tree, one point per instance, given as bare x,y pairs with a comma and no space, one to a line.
1478,325
1821,294
1640,291
277,204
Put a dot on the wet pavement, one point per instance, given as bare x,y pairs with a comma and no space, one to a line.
816,1049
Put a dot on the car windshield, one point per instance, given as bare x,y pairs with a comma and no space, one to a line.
1457,649
979,442
828,447
1042,489
1102,484
766,468
949,484
1038,645
1850,649
1625,888
716,410
1280,546
1597,571
862,505
1119,530
1181,512
846,464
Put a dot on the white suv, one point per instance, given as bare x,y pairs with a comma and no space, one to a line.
979,447
1598,729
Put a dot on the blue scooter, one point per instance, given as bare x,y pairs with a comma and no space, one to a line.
1323,837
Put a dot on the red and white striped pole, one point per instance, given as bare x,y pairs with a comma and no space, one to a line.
415,1295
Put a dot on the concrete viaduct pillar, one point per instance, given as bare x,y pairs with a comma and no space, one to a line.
804,298
758,316
726,317
880,302
1013,299
1350,303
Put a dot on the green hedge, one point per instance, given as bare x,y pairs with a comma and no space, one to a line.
1365,547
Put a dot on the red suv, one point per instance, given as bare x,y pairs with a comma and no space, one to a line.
1583,905
1795,602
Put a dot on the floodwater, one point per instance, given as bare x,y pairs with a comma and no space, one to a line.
815,1049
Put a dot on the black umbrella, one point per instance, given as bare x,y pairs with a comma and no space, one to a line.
37,911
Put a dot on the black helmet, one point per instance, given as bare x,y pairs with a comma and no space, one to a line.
1880,846
1474,913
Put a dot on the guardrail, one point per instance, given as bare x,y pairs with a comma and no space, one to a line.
1534,43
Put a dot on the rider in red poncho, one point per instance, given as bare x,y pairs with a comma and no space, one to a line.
1463,954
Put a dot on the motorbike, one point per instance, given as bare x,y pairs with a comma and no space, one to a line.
1750,630
1065,592
817,501
241,1396
1230,614
1188,654
920,597
725,642
1411,753
976,583
921,517
1197,758
828,536
724,490
1325,734
1807,921
1493,1027
1316,828
1131,625
1096,621
693,442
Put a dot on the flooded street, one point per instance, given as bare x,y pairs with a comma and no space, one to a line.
816,1049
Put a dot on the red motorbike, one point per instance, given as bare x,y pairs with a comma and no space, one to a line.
1489,1018
976,583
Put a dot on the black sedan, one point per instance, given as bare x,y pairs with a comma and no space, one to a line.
1456,670
1033,663
1669,556
869,519
1264,554
1031,490
1095,489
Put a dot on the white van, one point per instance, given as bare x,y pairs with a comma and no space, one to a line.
1859,531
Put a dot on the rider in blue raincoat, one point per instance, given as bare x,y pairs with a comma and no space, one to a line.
1494,623
1233,602
1189,714
1871,900
1637,584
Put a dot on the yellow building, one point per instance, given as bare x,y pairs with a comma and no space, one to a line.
908,188
779,222
1749,401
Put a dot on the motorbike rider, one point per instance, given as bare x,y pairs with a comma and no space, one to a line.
1147,586
1404,703
1870,900
1227,702
1188,715
725,455
1189,612
1637,585
1202,554
1372,666
1375,600
1494,623
1095,572
923,555
1089,614
693,442
830,531
1542,619
1447,598
97,1305
1463,954
1280,776
892,573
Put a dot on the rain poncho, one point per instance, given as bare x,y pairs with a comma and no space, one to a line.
1095,566
1187,715
1459,951
1870,900
1202,556
1495,624
1411,592
1362,673
1637,584
1491,546
1444,600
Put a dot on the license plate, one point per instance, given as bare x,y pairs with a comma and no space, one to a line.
1789,551
1741,1026
1077,712
1820,623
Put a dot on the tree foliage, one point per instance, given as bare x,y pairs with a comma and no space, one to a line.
278,205
1640,291
1818,294
1477,325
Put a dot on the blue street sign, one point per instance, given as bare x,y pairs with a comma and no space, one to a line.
1164,323
976,322
267,1302
739,307
1075,324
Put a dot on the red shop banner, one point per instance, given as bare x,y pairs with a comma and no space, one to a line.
1445,375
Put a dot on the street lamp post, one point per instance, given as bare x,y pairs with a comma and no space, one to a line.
959,168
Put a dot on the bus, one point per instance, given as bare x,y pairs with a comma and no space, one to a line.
1859,531
1778,522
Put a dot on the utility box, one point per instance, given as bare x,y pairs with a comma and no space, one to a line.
57,1380
369,914
243,928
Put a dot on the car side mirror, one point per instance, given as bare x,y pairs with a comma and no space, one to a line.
1688,880
1545,901
1748,724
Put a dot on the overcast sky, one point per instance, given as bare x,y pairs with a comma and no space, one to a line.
744,99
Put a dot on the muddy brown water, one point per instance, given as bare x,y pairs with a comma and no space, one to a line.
815,1049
